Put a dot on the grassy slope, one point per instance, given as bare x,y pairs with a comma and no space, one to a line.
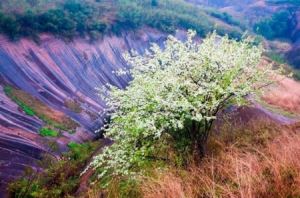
257,162
257,159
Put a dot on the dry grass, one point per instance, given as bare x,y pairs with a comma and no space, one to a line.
250,158
271,170
166,185
285,94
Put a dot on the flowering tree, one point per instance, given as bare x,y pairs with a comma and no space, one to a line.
174,96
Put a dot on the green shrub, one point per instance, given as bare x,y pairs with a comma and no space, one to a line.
46,132
227,18
8,90
28,110
60,178
79,151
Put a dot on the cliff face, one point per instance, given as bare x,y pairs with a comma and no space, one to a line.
55,72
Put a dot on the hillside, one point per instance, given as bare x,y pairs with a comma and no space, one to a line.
49,89
55,53
62,78
276,20
72,18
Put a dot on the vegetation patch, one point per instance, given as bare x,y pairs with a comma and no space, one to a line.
276,57
34,107
281,25
253,170
292,2
72,18
227,18
77,150
60,178
46,132
27,109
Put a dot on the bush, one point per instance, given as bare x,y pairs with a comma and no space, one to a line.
9,26
278,58
166,112
227,18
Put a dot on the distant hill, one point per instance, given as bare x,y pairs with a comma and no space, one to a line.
276,20
93,18
281,2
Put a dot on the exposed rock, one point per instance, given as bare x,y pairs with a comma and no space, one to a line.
55,72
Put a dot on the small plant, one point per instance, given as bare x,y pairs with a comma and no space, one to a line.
47,132
60,178
28,110
78,150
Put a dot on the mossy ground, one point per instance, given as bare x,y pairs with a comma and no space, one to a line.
46,132
34,107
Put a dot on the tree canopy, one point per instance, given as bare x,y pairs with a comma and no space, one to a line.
173,99
280,25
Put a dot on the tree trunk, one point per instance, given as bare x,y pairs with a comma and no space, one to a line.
199,139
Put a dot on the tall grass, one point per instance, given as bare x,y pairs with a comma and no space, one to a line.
272,170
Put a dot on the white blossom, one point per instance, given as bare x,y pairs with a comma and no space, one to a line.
184,81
